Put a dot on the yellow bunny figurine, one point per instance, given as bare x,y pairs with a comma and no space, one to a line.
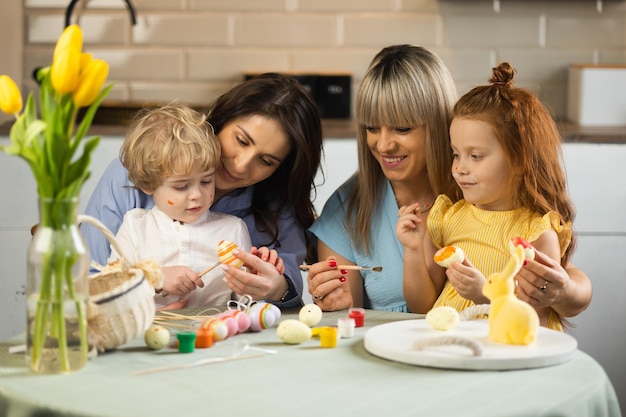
511,320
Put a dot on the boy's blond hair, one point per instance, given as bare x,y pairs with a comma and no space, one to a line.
170,140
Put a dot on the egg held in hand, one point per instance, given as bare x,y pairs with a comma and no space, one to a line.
529,251
448,254
225,253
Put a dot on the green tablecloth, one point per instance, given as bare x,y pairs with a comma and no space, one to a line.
300,380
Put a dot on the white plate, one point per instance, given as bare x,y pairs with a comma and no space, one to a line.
395,341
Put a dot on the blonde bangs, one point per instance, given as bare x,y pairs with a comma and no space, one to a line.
390,104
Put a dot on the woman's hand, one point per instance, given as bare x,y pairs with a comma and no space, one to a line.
328,285
261,281
179,280
542,282
468,281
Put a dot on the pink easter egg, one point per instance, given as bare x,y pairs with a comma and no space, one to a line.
243,319
231,324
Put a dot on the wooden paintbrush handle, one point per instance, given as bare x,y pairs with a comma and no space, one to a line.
209,269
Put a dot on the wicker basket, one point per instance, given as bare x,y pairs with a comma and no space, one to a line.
121,297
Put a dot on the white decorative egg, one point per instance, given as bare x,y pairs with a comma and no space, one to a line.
443,318
310,314
293,331
156,337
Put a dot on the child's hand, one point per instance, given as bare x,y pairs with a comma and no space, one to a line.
467,281
269,255
176,305
180,280
410,228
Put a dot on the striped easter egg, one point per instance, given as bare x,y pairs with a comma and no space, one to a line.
225,252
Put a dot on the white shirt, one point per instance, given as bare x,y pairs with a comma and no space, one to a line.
151,234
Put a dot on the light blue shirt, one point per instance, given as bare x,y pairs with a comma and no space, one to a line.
115,195
383,290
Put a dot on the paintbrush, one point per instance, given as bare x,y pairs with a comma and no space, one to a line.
209,269
352,267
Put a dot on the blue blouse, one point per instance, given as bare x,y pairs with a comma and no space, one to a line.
382,290
114,195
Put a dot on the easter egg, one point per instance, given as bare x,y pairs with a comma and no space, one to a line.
217,326
310,314
231,324
443,318
225,253
156,337
293,331
529,251
448,254
243,320
263,315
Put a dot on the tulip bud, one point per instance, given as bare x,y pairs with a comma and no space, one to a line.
92,78
85,59
65,70
10,96
72,37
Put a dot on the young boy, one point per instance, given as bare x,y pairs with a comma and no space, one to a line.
171,153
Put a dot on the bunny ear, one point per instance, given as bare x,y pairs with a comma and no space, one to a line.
514,264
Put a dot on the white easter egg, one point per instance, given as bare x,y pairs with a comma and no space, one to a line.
293,331
156,337
310,314
443,318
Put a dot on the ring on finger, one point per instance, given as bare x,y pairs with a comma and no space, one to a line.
544,286
317,297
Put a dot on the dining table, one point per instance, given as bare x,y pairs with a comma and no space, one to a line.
257,374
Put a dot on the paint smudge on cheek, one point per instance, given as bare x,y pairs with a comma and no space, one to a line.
170,202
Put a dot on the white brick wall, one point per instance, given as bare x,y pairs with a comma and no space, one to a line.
193,50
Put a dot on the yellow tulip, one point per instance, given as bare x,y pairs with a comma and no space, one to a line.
85,59
92,79
72,38
65,70
10,96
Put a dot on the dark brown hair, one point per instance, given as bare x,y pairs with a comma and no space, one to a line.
282,98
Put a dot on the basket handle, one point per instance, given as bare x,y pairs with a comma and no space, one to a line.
84,218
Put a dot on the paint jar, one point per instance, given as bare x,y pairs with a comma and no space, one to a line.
358,314
186,342
346,327
328,337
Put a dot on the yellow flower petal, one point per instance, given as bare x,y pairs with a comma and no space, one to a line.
92,79
10,96
65,70
72,38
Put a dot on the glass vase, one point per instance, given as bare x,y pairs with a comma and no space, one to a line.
57,290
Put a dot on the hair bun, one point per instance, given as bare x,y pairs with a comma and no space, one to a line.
503,75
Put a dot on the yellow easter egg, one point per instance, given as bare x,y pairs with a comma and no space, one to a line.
293,331
225,253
